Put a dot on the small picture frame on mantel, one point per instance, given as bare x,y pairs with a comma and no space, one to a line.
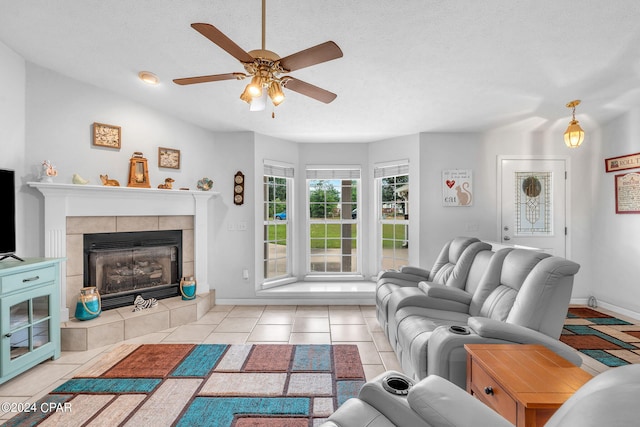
107,135
168,158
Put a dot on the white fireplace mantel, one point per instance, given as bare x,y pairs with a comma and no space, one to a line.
63,200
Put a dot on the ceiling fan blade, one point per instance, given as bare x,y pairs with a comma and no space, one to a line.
228,45
211,78
323,52
308,89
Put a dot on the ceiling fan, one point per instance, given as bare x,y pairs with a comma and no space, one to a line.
266,68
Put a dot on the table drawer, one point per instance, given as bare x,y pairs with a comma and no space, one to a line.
497,398
19,281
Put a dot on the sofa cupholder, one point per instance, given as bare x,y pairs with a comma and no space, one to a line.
397,385
462,330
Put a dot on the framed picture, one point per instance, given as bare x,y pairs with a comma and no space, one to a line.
107,135
168,158
457,187
628,193
630,161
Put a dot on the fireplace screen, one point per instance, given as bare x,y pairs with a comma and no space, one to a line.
115,271
124,265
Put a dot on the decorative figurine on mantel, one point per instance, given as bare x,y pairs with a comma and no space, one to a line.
109,182
138,171
168,184
77,179
48,171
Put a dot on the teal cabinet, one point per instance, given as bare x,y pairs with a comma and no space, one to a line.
29,314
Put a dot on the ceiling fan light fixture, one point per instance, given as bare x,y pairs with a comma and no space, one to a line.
275,93
148,77
255,87
574,135
258,103
246,96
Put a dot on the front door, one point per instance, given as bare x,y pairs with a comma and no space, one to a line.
532,200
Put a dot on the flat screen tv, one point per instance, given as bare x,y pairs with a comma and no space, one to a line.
7,214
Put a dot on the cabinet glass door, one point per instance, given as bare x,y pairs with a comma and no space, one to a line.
28,325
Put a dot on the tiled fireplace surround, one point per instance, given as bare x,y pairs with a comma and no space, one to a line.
72,211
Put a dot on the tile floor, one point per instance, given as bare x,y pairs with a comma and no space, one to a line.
231,325
236,325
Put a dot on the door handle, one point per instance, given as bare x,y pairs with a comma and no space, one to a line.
506,238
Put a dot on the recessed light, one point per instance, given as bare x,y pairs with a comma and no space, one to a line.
148,77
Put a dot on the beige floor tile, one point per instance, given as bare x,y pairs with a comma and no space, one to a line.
310,338
312,311
225,308
246,311
390,361
226,338
281,308
153,338
37,379
237,324
278,333
212,318
368,310
190,333
381,341
341,333
368,353
277,318
372,371
346,318
311,324
373,324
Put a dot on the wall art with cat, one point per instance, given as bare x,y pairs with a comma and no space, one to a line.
457,188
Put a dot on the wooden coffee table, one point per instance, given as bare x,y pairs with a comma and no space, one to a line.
525,384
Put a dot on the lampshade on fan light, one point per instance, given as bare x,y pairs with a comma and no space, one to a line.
574,135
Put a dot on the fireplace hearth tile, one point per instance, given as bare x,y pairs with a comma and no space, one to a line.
146,324
91,224
123,323
177,222
188,244
136,223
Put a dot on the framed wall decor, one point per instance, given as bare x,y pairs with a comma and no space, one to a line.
628,193
107,135
457,187
630,161
168,158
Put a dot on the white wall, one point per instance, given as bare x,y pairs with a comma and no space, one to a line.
615,238
57,113
479,152
12,130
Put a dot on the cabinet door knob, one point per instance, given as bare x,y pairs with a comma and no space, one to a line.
30,279
488,390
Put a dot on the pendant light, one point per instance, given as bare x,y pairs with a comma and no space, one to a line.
574,135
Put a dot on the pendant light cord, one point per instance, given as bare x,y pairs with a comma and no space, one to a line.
264,12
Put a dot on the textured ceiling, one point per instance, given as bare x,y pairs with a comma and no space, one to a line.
409,66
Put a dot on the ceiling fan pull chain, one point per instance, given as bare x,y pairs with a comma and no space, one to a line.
264,13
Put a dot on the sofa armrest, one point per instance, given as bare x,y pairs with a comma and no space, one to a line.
416,271
397,277
435,290
440,402
495,329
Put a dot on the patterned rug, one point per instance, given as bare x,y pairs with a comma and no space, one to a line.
205,385
609,340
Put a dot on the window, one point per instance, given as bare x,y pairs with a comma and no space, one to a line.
333,225
393,214
277,232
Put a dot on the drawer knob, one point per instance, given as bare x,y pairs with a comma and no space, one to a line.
488,390
30,279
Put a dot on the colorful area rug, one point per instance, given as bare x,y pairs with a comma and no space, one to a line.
609,340
205,385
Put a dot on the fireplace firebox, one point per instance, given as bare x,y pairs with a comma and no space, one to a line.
124,265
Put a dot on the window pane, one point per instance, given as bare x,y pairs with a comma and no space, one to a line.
276,222
394,224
